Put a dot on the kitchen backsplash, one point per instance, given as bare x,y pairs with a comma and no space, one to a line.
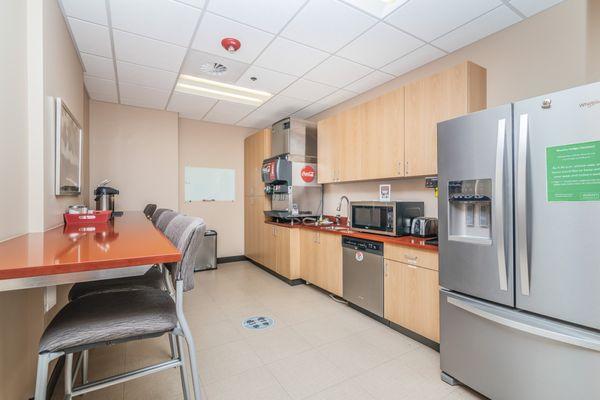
406,189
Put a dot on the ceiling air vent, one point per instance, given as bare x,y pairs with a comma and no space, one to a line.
214,69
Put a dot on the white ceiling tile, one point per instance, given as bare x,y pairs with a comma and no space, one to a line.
97,66
159,19
214,28
289,57
143,96
336,98
430,19
308,90
336,71
310,110
258,120
380,45
146,76
196,59
370,81
100,86
421,56
108,98
193,3
282,106
378,8
91,38
89,10
491,22
266,80
144,51
327,25
190,105
269,15
531,7
225,112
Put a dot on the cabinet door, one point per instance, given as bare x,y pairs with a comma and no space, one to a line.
382,142
326,149
330,262
411,298
268,246
253,221
282,251
350,139
249,165
308,254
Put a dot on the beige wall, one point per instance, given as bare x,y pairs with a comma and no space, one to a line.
545,53
137,149
203,144
63,77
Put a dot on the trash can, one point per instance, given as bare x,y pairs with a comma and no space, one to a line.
207,252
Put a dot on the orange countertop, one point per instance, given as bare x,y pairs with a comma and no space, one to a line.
409,241
127,241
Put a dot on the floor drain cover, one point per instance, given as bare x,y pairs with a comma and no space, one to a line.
255,323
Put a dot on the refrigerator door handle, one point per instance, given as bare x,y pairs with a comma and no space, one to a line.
521,200
473,308
499,206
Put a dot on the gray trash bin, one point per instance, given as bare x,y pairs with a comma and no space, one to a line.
207,252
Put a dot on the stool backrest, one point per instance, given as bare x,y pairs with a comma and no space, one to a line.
149,210
165,219
158,213
185,233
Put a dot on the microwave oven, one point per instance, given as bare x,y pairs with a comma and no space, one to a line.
392,218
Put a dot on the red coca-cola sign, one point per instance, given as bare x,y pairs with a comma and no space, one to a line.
307,174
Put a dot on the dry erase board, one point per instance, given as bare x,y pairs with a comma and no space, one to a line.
209,184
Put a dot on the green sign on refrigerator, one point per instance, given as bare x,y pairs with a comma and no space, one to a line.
573,172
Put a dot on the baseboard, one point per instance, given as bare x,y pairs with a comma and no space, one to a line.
224,260
291,282
415,336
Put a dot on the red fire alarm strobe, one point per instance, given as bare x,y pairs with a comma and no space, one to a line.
231,44
307,174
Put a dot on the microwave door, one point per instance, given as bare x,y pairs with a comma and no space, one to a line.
370,218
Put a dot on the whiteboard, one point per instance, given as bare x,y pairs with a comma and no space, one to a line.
209,184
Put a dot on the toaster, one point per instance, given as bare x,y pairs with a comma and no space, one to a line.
424,227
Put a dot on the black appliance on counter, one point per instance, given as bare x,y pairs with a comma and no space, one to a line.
392,218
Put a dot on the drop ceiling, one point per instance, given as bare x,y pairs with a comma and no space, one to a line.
309,54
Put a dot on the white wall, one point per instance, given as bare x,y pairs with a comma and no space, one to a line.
137,149
204,144
550,51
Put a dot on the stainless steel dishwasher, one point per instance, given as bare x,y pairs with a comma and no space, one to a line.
363,273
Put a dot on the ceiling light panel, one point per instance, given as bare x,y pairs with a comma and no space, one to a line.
290,57
149,52
218,90
213,28
268,15
430,19
89,10
164,20
91,38
327,25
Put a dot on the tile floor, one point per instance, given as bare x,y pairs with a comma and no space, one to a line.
317,349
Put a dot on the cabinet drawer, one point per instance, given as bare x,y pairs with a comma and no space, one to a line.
412,256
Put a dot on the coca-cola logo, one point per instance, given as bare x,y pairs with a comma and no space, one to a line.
307,174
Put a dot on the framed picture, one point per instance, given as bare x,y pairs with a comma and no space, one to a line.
68,152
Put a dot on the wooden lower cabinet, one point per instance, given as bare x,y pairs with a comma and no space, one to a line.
321,260
411,298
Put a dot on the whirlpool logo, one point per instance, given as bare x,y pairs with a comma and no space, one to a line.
589,104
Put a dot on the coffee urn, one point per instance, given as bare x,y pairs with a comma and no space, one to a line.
105,198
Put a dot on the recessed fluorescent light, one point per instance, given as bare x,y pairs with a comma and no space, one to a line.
222,91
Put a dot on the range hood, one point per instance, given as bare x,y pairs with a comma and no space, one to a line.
294,137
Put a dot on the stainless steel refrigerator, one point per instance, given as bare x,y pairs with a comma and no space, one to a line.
519,244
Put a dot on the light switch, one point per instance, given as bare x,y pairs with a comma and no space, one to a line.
49,298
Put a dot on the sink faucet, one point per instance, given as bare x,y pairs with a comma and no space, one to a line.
339,208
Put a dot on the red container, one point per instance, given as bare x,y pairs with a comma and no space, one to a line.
94,217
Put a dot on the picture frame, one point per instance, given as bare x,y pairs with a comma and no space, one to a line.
68,156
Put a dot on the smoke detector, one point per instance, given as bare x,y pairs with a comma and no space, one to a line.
231,44
213,68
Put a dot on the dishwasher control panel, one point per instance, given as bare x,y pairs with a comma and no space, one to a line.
365,245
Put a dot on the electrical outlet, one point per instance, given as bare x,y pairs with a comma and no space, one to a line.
49,298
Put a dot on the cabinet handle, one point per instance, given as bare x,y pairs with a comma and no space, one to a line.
411,259
399,167
406,168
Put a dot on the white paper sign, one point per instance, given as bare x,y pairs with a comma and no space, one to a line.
385,192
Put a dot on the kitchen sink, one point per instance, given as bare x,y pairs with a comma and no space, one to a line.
336,228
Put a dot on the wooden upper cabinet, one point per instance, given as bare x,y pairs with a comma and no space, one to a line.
449,94
257,147
326,147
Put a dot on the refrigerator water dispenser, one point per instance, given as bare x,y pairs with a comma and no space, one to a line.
469,209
